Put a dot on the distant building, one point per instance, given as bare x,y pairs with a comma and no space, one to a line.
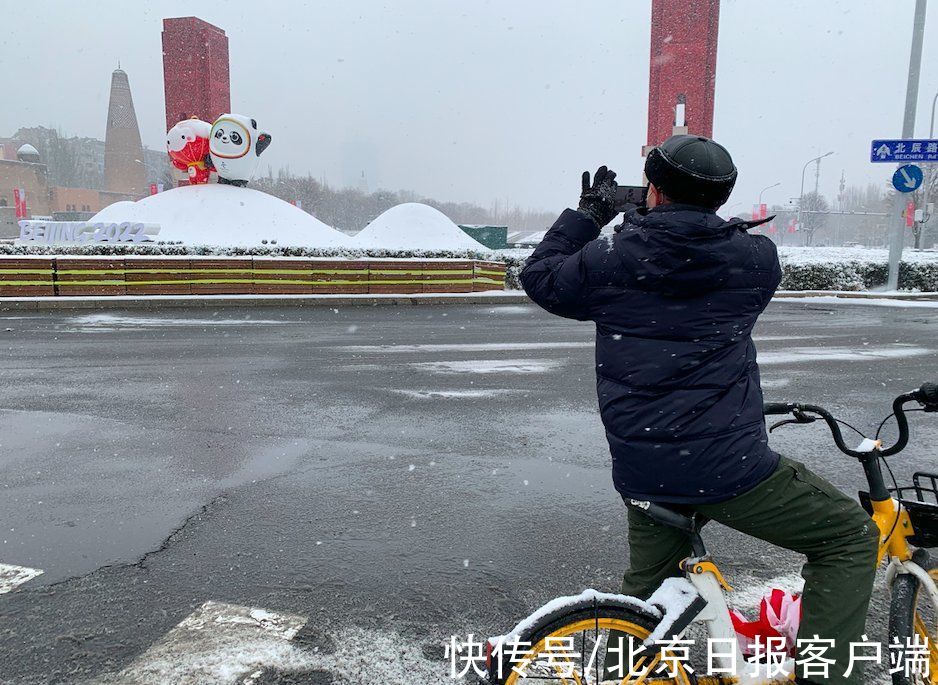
124,169
195,70
80,175
42,197
27,153
29,176
76,161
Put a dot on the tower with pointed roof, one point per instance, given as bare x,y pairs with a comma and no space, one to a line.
124,170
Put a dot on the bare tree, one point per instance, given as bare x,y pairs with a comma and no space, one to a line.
813,215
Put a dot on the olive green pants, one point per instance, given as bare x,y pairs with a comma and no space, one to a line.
795,509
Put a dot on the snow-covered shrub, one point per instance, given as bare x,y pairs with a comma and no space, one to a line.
807,268
821,277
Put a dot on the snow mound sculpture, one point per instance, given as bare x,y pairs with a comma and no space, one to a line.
415,226
225,215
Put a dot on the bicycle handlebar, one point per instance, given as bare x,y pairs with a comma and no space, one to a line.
926,395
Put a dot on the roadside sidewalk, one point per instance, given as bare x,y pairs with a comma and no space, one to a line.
854,295
195,301
490,297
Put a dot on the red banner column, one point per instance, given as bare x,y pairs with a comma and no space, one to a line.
683,66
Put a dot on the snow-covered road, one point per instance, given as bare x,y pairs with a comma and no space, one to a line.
377,478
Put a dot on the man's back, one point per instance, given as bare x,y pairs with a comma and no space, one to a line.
674,294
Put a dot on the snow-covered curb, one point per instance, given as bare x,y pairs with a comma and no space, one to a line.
894,299
862,295
922,303
165,301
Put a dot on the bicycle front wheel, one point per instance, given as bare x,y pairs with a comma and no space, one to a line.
913,616
585,635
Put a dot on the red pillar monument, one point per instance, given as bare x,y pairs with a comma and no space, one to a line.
195,70
683,67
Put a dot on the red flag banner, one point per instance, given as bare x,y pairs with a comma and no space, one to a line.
19,202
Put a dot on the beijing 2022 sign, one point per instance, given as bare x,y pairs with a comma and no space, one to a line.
72,232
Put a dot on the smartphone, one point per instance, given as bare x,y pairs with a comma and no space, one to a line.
630,196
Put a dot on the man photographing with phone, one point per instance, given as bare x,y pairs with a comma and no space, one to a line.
675,293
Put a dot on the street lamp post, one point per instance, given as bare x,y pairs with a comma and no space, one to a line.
768,188
803,170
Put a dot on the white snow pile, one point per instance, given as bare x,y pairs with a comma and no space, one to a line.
415,226
220,214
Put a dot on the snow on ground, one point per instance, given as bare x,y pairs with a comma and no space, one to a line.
217,643
472,347
874,301
824,255
225,644
97,323
13,576
775,383
220,214
414,226
455,394
490,366
807,355
510,310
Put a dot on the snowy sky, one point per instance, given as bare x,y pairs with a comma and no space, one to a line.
474,101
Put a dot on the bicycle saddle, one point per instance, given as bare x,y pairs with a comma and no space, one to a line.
674,515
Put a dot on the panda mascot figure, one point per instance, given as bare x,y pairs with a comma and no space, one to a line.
235,146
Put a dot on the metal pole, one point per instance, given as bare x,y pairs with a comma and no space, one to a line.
803,170
767,188
908,130
801,194
931,136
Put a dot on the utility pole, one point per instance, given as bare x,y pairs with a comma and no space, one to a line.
927,169
908,131
774,185
801,194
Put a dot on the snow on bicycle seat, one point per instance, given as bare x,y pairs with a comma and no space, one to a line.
674,515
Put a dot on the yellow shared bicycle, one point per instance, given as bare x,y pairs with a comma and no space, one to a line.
567,640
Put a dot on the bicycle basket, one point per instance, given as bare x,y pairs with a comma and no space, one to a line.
921,501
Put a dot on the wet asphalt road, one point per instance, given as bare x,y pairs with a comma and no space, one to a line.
391,475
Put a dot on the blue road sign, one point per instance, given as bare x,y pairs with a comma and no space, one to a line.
904,151
907,178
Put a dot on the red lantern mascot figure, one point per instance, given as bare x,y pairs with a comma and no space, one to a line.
187,145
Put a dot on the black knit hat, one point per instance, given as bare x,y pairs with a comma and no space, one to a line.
693,170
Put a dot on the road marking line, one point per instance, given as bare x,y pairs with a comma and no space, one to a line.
470,347
808,355
13,576
227,644
218,643
489,366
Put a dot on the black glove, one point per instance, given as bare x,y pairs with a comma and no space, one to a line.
598,201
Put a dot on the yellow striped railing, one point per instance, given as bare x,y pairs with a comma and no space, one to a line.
241,275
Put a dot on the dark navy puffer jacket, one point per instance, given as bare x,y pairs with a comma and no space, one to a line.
674,294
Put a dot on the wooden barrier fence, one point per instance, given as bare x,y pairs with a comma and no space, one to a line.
193,275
